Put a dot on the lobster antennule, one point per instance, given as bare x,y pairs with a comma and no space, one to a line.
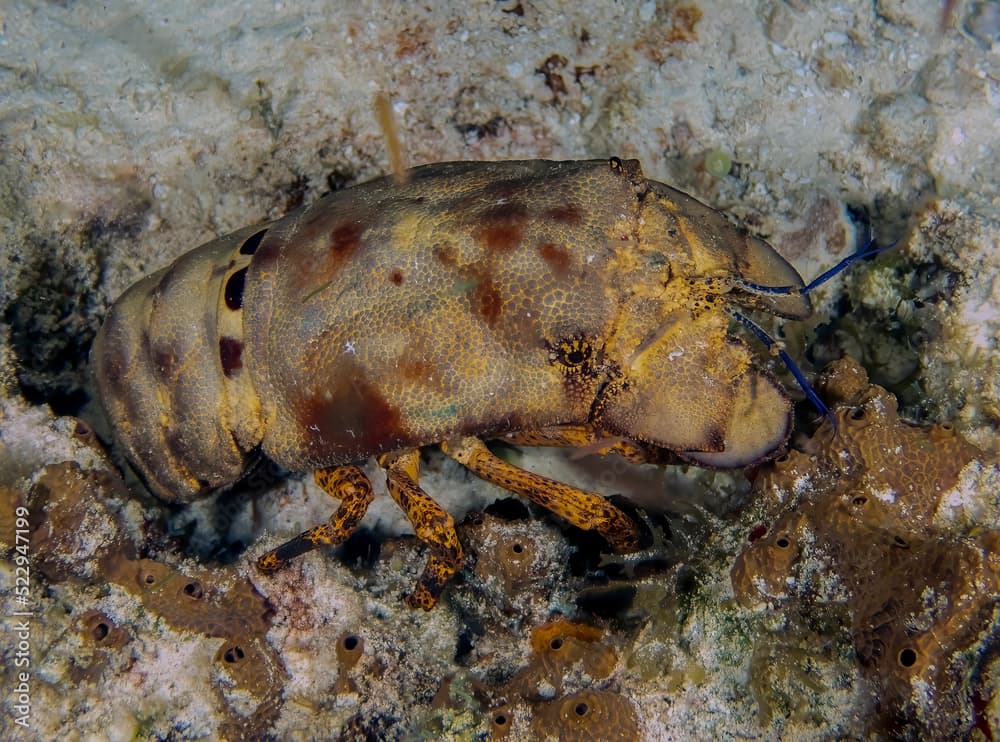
771,343
867,250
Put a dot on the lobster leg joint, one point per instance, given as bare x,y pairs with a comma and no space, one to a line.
585,510
348,484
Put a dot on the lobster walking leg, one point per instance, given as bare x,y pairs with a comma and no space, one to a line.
348,484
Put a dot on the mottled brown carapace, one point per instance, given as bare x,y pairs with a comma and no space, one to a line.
563,302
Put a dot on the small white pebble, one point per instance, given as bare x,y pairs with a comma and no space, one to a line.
123,726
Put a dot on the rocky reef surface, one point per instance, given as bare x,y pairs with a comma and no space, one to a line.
847,590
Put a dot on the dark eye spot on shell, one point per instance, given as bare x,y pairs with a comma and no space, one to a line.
555,257
163,361
487,301
194,590
783,542
907,657
231,355
550,69
396,277
346,238
445,255
502,227
414,367
234,289
234,655
569,215
249,247
350,416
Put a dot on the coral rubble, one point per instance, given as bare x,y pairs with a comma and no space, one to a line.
861,503
77,536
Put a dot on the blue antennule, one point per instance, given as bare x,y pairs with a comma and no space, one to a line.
867,250
772,345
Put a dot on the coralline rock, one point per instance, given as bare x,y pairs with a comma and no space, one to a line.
565,650
248,681
72,526
350,647
210,602
859,505
104,639
77,536
248,675
559,647
590,715
506,551
512,556
125,178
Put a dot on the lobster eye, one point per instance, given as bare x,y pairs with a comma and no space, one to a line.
572,353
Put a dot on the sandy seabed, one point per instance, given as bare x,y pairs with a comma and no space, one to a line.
130,135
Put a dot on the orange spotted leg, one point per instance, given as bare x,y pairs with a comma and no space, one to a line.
432,524
586,510
348,484
588,440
